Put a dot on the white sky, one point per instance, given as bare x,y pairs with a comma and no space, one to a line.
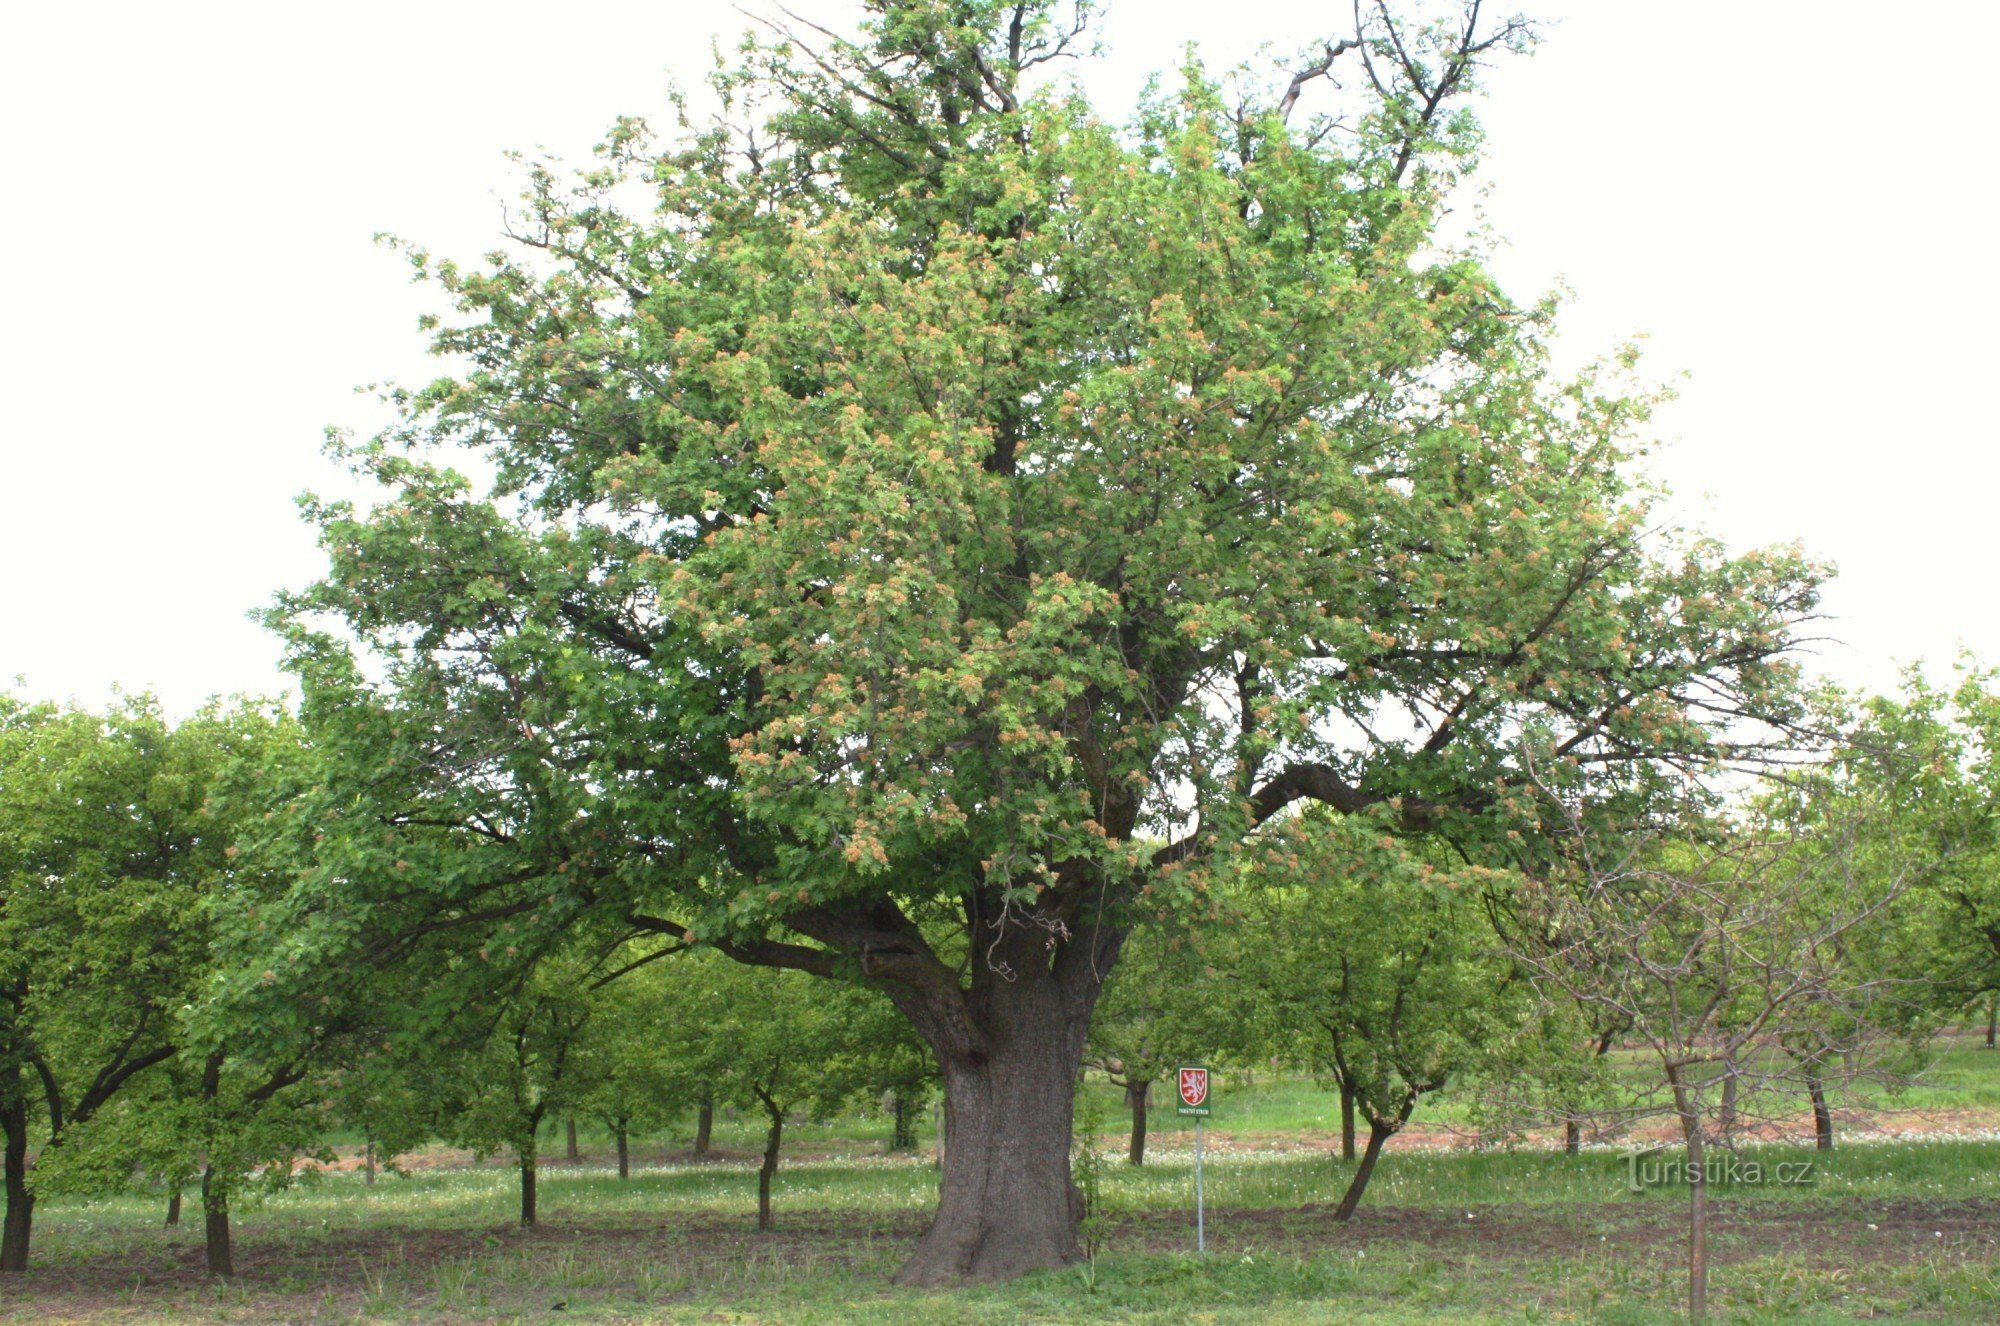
1796,211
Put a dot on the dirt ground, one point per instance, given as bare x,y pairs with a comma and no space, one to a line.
344,1267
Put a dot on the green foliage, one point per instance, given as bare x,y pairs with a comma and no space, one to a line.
970,488
1377,967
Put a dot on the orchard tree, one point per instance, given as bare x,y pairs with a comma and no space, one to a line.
945,524
778,1043
1166,1004
516,1070
109,862
1734,961
1378,970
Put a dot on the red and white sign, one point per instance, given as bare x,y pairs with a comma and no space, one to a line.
1194,1087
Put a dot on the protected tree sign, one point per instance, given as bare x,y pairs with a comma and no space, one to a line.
1193,1091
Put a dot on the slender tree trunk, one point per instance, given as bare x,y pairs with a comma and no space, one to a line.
903,1113
571,1152
1725,1117
624,1151
174,1207
368,1163
1691,1131
1822,1116
1136,1095
704,1129
528,1176
1010,1050
1378,1133
769,1169
215,1224
1993,1022
20,1199
1572,1136
1346,1122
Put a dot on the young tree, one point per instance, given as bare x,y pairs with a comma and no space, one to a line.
1377,968
1164,1006
779,1043
515,1071
948,526
1729,956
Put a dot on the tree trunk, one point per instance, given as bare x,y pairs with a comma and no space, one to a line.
215,1225
624,1152
1378,1133
173,1208
528,1186
20,1200
903,1136
1992,1022
571,1152
1010,1050
704,1128
1697,1198
1725,1116
1136,1094
1822,1116
1572,1136
769,1169
368,1163
1346,1122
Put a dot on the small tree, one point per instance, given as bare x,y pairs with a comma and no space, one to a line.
514,1072
1166,1005
1727,955
1377,969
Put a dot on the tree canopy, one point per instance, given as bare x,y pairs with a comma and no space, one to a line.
926,522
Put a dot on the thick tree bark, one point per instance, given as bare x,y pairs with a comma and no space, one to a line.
624,1151
1010,1050
20,1199
1822,1116
773,1138
215,1226
571,1152
1137,1093
1346,1122
704,1129
1378,1133
173,1208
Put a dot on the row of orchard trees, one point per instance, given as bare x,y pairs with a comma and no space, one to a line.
161,1024
1744,961
169,1020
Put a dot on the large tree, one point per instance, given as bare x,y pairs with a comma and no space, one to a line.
941,519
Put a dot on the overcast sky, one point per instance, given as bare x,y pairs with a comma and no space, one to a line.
1794,200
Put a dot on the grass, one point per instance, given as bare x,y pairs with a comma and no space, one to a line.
1890,1229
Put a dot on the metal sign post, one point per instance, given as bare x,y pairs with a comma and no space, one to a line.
1194,1083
